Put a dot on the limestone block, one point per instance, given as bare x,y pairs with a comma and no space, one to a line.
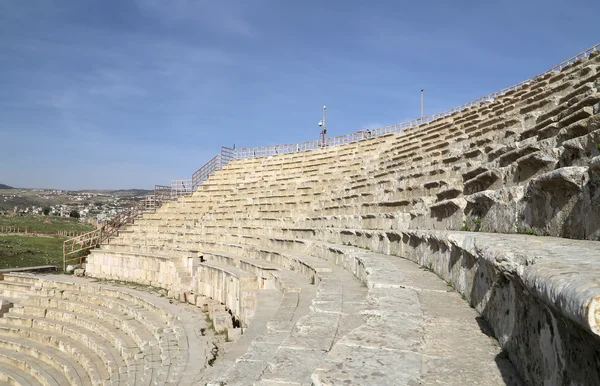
79,272
214,307
222,321
567,178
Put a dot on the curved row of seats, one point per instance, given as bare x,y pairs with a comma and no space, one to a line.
358,305
63,332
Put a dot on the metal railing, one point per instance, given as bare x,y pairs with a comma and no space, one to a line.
264,151
181,187
82,243
216,163
162,193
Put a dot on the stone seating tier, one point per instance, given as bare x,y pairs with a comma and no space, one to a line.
305,373
80,333
470,184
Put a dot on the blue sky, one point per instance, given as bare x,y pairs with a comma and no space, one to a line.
128,93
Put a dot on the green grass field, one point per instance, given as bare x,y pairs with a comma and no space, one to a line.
45,224
28,251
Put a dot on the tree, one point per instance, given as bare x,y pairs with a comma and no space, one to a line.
74,214
46,211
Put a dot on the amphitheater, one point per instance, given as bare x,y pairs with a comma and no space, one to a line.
457,249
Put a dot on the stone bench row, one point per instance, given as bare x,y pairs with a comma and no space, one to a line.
15,376
334,208
230,285
53,292
119,363
124,255
122,338
70,369
49,341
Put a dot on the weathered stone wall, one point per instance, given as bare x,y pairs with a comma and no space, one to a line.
234,288
156,271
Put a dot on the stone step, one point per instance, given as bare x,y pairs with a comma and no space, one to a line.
292,346
127,346
73,371
183,348
122,320
14,294
43,372
21,278
90,361
11,375
14,286
110,358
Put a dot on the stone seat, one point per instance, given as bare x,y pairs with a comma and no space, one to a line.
122,294
109,357
306,265
11,375
140,325
90,361
69,366
127,345
284,280
14,287
74,373
21,278
41,371
143,361
303,264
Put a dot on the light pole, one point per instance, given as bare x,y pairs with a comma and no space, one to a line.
323,126
422,103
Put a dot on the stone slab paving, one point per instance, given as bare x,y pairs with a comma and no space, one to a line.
314,335
418,332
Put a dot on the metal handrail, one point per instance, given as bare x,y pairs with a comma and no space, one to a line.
263,151
214,164
90,240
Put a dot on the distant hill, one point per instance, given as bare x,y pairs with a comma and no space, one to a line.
2,186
